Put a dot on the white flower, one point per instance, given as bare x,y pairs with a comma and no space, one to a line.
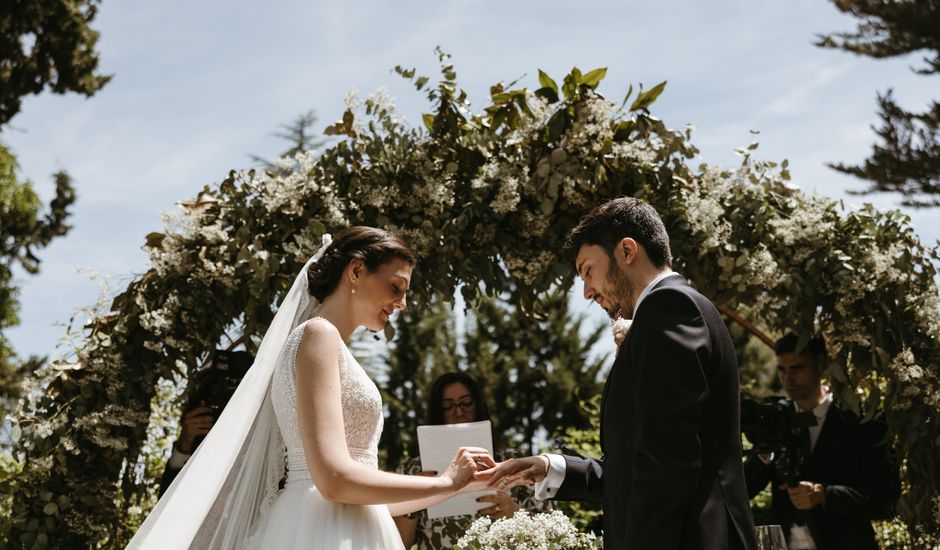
928,314
153,346
524,531
351,99
214,233
507,198
620,327
534,225
155,322
527,269
384,106
905,366
592,126
706,218
804,224
634,152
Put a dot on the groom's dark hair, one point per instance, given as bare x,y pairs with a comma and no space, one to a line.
615,220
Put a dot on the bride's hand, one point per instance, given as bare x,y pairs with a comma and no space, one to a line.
466,462
474,486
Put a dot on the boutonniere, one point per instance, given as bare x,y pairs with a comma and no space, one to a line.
620,328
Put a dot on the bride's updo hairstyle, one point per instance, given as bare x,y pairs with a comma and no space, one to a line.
373,246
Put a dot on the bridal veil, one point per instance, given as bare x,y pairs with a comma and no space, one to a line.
232,478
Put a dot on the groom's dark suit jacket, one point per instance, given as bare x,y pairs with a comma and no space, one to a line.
671,475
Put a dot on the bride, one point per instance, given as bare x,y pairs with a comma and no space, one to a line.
306,393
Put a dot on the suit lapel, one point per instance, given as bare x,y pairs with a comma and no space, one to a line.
610,375
828,432
622,355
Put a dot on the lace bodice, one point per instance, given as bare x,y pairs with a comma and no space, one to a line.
361,401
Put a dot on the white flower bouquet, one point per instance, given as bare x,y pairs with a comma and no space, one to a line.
525,531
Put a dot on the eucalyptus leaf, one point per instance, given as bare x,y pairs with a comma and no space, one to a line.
626,97
645,99
593,78
428,120
548,94
547,82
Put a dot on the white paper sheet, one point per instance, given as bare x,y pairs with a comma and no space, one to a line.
438,445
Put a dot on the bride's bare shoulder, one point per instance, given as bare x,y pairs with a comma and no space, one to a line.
319,331
320,342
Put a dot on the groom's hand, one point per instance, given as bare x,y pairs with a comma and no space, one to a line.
516,471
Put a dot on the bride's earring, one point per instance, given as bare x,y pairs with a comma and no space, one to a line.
354,288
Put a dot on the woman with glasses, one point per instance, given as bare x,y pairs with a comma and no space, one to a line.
455,397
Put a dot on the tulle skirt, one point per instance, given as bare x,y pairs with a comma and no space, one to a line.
301,519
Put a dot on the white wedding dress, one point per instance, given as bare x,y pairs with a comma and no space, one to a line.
300,518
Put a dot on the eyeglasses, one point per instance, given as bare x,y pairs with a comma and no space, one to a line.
465,405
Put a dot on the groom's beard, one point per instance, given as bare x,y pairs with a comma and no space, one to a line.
622,295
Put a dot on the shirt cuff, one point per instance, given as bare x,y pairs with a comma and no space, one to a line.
177,459
548,487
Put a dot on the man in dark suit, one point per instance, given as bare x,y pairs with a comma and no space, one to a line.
671,475
195,424
847,479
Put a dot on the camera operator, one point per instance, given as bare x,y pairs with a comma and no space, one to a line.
843,477
210,389
196,424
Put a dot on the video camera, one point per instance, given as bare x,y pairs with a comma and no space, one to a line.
774,426
213,385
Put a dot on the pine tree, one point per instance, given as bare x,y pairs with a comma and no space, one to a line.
299,134
907,158
536,372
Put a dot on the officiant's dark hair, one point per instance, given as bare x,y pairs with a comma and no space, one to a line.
436,397
373,246
615,220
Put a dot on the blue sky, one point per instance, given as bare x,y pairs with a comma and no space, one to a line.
200,86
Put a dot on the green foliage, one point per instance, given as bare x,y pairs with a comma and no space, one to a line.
757,362
47,44
486,198
907,160
23,230
9,467
140,493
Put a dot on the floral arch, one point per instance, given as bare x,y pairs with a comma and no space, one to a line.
486,199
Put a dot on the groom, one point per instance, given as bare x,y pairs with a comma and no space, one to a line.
671,475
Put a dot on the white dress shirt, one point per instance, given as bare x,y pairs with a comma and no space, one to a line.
549,485
819,411
800,537
178,459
